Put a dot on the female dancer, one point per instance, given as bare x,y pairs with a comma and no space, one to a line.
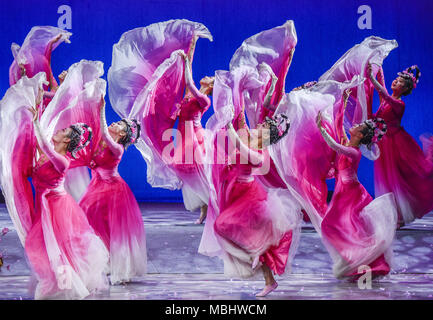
357,227
254,228
67,256
402,167
109,203
158,76
191,149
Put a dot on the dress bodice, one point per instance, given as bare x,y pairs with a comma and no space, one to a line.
104,162
191,110
244,171
347,166
46,177
391,110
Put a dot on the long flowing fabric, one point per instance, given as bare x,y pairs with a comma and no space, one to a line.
35,52
17,151
146,82
354,62
303,160
272,47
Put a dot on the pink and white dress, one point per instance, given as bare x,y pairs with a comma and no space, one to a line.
245,219
251,223
114,214
190,152
358,228
68,258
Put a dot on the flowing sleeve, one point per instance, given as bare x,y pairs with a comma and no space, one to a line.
17,150
354,63
146,82
273,47
35,52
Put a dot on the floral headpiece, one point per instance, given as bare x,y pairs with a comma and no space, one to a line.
85,133
379,128
408,74
281,124
132,131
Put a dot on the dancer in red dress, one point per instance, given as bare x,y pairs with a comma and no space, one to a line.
402,167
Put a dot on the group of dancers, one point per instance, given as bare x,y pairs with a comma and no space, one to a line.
256,170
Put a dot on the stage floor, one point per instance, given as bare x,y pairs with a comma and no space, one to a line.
177,271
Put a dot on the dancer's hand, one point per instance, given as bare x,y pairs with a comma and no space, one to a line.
57,38
346,95
182,54
22,69
319,119
62,76
266,67
35,110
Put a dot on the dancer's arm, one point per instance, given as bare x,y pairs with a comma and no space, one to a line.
49,94
383,93
50,76
191,48
114,147
267,101
245,152
348,151
339,121
60,162
242,122
282,83
202,99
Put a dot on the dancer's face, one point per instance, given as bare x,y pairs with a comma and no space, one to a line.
263,133
62,135
207,85
117,129
356,130
398,86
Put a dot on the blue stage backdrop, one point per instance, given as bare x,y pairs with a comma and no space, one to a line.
326,29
